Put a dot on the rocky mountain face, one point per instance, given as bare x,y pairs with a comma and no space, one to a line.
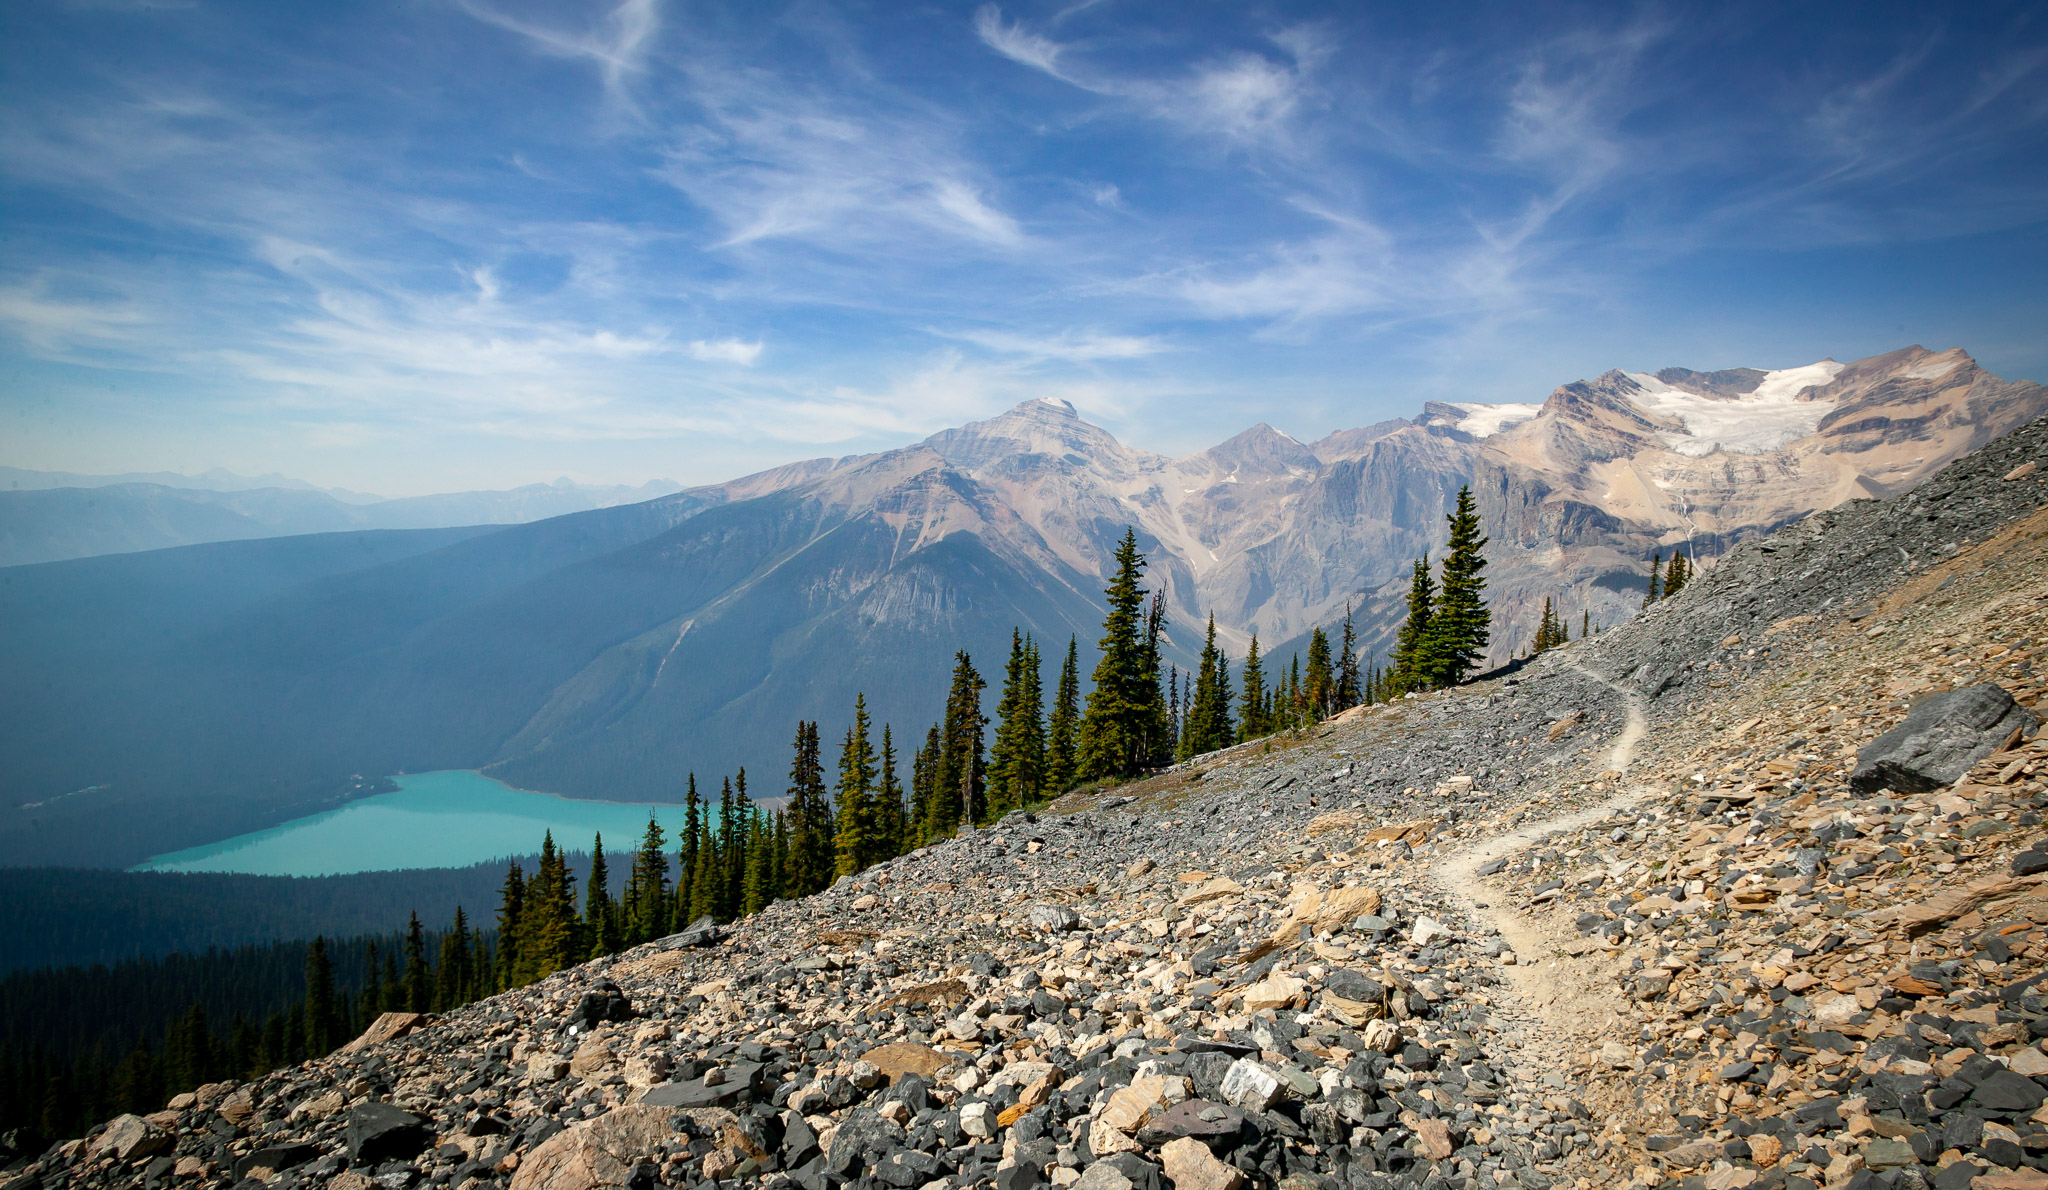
1277,536
1746,893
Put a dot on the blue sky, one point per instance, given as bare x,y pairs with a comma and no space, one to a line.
464,243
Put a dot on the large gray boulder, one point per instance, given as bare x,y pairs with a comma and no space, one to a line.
1940,740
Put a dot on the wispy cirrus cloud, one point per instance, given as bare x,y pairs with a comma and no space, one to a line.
726,351
513,220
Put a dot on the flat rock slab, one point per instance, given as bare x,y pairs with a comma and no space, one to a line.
1940,740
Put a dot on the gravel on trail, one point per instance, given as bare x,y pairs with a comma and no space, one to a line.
1613,919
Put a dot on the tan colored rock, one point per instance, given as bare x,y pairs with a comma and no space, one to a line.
899,1058
130,1138
866,901
596,1154
1844,1167
2010,1179
546,1068
2029,1062
1765,1149
1276,991
182,1102
646,1070
1730,1178
1139,867
1326,910
389,1027
189,1167
321,1106
349,1179
594,1060
1191,1166
1104,1139
1433,1139
1214,890
238,1106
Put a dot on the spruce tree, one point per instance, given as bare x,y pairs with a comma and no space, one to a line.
1206,726
1459,628
735,858
707,882
809,864
1251,701
924,787
419,987
1158,732
1350,691
854,842
646,900
687,843
1677,573
1319,681
889,809
1546,630
511,924
598,919
962,789
1064,729
1585,624
321,1009
1410,654
1655,591
1116,729
371,1000
759,887
451,974
1016,760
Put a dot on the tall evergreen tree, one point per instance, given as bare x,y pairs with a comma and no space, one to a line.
924,785
511,925
962,791
1206,725
1319,680
1585,624
760,886
452,981
735,858
1159,739
1063,731
1350,692
646,900
855,841
809,864
1116,729
599,919
1677,573
1656,590
890,813
687,844
322,1015
1251,704
371,1001
548,939
419,986
1016,759
1411,662
1459,630
1546,630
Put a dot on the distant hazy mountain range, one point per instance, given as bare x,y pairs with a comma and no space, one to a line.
155,701
48,516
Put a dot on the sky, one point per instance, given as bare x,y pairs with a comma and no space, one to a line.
450,244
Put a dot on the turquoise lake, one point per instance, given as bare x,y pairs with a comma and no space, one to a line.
435,820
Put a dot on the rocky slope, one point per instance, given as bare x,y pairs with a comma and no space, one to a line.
1635,914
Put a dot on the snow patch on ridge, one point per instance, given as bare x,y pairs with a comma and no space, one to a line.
1760,421
1483,421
